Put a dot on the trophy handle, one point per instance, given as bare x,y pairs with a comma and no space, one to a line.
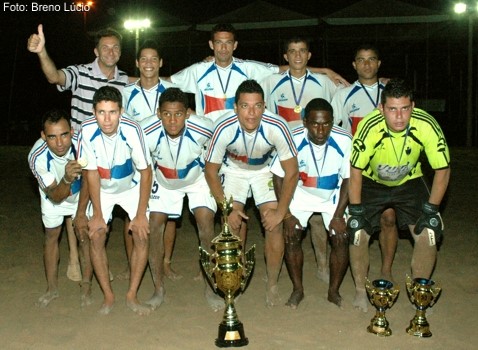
249,262
205,259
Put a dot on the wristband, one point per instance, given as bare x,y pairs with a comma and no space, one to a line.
338,218
65,181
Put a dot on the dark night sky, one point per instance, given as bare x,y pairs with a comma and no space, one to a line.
28,95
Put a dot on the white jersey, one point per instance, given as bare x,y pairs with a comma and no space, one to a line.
283,92
47,168
83,80
237,149
117,158
215,87
178,162
140,103
321,168
354,102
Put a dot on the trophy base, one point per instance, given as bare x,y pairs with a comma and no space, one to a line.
231,336
419,328
379,328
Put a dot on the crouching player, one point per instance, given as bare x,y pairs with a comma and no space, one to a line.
386,173
177,141
324,155
52,161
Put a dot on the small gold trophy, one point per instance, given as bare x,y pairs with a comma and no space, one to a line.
228,270
382,294
423,294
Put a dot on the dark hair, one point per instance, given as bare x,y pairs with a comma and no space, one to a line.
54,116
397,88
174,95
148,44
249,87
318,104
223,27
107,93
366,47
296,39
107,33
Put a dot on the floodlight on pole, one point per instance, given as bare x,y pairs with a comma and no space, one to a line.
84,6
471,11
137,25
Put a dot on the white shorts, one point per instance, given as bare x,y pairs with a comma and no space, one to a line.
238,183
128,200
53,215
304,204
170,202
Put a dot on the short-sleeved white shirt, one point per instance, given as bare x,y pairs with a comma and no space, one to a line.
140,103
237,150
117,158
332,163
215,87
354,102
279,93
178,162
47,168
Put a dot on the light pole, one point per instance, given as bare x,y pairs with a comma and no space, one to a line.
85,7
137,25
470,11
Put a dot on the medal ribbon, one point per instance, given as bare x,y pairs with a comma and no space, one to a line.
177,153
249,155
224,90
146,99
375,104
315,160
297,100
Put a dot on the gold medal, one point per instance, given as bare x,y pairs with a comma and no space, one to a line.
297,109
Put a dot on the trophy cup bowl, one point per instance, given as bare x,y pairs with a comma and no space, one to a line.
382,294
423,294
228,271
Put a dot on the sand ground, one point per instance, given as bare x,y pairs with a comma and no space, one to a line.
185,321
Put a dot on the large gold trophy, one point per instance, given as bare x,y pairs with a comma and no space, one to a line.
228,270
382,294
423,293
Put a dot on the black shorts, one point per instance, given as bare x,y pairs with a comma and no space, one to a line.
406,199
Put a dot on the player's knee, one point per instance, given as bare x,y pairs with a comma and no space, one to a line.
388,218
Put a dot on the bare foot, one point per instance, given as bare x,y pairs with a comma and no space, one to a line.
295,298
73,272
105,309
135,306
335,298
360,301
215,301
124,275
107,306
170,273
323,275
46,298
85,297
272,296
156,300
199,276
